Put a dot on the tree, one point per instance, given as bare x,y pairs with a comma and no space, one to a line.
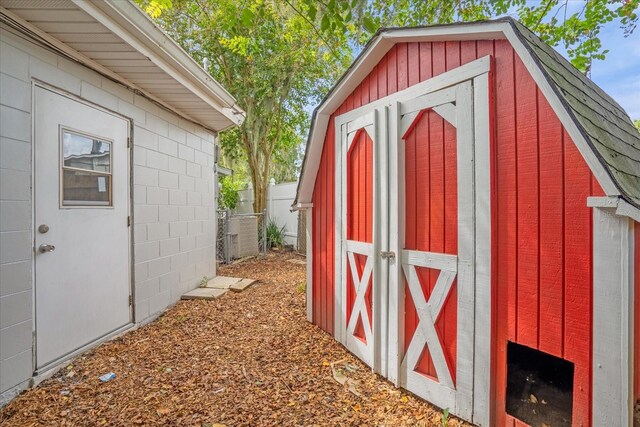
275,57
637,123
278,56
578,32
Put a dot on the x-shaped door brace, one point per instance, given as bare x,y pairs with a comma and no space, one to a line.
361,285
428,311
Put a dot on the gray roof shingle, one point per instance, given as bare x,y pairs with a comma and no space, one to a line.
602,121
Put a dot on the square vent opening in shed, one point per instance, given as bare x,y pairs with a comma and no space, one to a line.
539,387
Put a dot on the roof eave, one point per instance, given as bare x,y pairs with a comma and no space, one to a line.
504,28
136,28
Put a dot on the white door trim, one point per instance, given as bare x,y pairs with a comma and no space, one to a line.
483,330
35,84
347,128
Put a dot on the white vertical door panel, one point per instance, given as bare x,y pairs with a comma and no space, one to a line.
82,287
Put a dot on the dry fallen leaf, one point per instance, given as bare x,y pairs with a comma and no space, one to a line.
202,348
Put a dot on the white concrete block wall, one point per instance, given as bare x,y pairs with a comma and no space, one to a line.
174,211
16,277
173,196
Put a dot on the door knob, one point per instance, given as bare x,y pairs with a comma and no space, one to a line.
46,248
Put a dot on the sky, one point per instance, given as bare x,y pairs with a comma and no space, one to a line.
619,73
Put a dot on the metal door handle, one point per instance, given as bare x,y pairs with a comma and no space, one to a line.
387,254
46,248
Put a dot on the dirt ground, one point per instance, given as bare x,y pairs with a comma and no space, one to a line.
247,359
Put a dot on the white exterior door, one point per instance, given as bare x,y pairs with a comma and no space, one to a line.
413,238
359,302
82,246
439,287
428,273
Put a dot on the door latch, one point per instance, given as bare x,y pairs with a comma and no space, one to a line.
46,248
387,254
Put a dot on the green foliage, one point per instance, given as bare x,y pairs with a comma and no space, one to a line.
445,417
637,123
229,192
154,8
302,287
273,57
577,32
275,235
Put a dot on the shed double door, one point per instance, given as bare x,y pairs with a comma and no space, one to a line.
407,243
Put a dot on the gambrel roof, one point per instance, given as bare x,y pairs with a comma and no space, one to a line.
601,129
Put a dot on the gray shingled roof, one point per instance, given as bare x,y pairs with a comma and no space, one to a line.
601,120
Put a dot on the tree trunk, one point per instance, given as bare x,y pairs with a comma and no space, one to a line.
259,196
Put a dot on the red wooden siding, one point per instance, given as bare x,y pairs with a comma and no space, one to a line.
432,221
543,232
323,236
636,361
359,214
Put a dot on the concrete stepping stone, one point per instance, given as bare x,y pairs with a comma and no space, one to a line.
222,282
242,285
204,293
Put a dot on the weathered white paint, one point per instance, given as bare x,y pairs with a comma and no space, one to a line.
466,251
174,217
482,399
369,352
381,180
395,294
613,317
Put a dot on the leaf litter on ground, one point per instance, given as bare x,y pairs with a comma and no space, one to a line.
245,359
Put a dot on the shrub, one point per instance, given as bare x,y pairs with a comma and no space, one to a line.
229,193
275,235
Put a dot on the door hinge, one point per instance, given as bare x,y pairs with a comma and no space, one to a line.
130,300
129,221
128,142
387,254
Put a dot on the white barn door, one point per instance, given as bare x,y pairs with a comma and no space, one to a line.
439,289
419,311
82,255
359,193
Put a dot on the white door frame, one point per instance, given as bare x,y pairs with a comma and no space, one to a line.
389,274
454,104
346,130
35,83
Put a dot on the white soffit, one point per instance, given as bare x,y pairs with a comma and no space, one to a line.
117,39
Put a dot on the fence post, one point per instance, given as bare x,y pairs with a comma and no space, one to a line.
227,243
264,232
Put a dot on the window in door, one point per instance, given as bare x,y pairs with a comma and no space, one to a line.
86,170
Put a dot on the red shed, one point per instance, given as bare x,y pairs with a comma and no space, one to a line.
472,208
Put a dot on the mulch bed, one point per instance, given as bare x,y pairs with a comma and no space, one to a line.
244,359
